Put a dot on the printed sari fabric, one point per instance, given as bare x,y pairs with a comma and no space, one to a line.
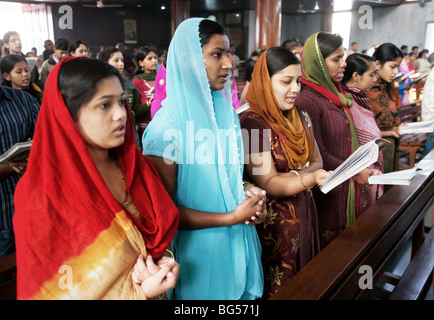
386,117
199,130
74,240
289,236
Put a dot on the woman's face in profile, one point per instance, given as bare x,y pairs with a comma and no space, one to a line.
388,70
367,80
336,65
216,58
102,121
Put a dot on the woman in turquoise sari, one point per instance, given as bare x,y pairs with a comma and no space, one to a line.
195,142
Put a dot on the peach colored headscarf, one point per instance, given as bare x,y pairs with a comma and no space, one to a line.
296,139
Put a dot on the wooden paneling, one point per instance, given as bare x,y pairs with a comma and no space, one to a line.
104,26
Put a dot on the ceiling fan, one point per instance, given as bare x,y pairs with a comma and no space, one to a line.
100,4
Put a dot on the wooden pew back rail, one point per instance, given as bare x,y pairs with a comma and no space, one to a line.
367,245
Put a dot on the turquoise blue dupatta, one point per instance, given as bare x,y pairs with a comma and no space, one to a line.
199,130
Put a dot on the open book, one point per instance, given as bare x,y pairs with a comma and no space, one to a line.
360,159
417,127
400,76
18,152
402,177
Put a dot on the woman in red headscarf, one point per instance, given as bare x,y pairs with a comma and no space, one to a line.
91,215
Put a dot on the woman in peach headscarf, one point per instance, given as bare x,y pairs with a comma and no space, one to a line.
284,160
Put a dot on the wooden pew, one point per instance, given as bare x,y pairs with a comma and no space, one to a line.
411,144
8,268
369,244
415,282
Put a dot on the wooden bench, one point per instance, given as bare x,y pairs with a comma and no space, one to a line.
415,282
411,144
8,268
368,245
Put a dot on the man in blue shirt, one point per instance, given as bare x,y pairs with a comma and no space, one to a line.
18,114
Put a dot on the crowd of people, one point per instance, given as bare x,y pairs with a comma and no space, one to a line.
145,182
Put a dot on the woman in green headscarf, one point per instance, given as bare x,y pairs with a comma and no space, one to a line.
329,108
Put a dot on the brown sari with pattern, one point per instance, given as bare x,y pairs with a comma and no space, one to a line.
289,236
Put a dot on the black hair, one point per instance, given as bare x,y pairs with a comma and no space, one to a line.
404,47
388,52
61,44
278,58
208,28
422,52
249,70
291,44
74,45
142,52
356,62
7,63
107,53
78,79
328,43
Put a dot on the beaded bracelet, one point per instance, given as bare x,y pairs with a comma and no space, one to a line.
295,171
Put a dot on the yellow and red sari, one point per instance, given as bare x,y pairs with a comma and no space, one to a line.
74,240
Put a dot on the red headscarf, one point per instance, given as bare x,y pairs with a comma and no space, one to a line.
62,202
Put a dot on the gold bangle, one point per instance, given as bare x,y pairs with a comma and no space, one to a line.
301,180
171,253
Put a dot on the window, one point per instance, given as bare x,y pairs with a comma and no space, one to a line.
32,22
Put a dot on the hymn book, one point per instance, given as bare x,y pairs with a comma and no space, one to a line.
402,177
417,127
18,152
360,159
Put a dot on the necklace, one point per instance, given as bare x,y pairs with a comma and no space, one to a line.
127,203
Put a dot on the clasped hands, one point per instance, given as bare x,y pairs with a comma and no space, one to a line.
255,201
155,278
